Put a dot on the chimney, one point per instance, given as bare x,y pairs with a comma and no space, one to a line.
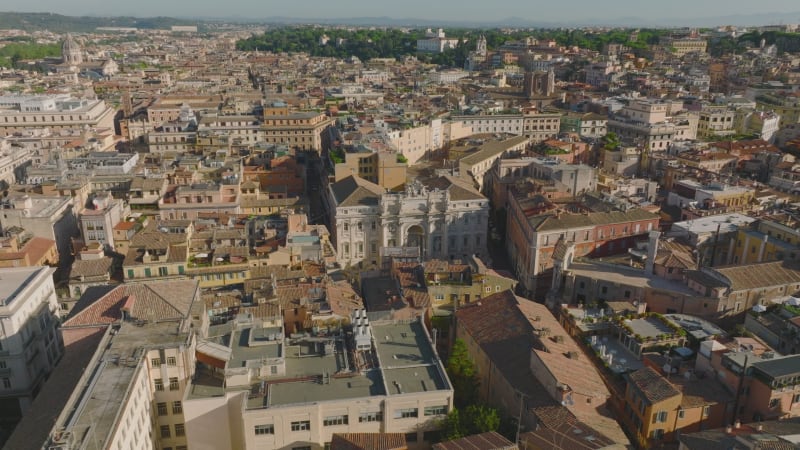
737,424
728,429
652,251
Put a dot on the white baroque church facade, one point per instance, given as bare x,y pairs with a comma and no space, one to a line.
445,218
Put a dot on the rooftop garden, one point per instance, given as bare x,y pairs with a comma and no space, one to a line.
337,155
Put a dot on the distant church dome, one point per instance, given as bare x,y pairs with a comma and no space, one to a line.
71,51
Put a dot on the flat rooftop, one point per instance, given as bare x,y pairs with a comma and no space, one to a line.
627,276
649,327
403,361
14,280
98,407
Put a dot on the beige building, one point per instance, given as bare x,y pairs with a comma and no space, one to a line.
381,168
19,113
137,345
257,389
302,130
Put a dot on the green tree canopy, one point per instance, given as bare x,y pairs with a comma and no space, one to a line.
611,141
463,375
474,419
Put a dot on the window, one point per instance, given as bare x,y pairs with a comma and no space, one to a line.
177,407
301,425
159,383
162,408
171,361
405,413
411,437
155,362
681,414
706,411
658,433
180,430
165,432
264,429
173,384
660,417
370,417
335,420
772,404
796,398
436,410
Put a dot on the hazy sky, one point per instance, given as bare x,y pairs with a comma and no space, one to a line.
467,10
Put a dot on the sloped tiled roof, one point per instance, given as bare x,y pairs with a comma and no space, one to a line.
91,267
369,441
152,301
483,441
754,276
652,385
355,191
458,188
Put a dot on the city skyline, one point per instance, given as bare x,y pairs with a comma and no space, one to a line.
622,12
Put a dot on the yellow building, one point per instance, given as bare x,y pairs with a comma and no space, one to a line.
219,275
655,408
772,238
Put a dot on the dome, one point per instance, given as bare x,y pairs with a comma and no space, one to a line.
71,51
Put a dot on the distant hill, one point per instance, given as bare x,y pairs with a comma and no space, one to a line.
60,24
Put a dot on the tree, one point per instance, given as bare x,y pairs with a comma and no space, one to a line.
452,428
480,419
611,141
474,419
461,371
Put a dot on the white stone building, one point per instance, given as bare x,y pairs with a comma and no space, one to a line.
55,112
445,218
30,345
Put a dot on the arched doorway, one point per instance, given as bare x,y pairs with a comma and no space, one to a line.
415,237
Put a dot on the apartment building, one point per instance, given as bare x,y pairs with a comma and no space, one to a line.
774,391
653,124
770,238
716,121
479,162
19,113
259,389
537,127
139,358
97,223
532,240
168,108
588,125
43,216
158,252
451,284
682,45
188,201
302,130
657,410
30,345
381,168
416,142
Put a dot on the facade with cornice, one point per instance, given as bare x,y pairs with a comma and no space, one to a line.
445,218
